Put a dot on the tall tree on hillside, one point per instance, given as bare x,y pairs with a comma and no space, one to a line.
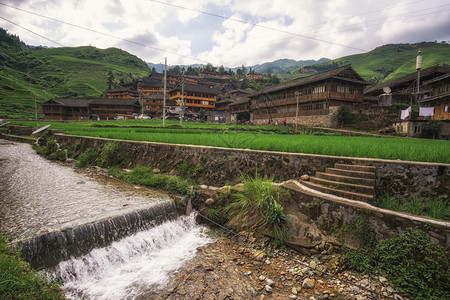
110,80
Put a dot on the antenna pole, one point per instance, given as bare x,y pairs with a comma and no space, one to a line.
182,100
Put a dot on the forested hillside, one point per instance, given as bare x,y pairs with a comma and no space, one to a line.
36,73
386,62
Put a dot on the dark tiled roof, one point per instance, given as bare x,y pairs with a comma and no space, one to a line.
335,73
112,101
196,89
439,78
405,79
69,102
240,100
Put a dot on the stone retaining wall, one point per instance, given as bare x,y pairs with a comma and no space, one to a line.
219,166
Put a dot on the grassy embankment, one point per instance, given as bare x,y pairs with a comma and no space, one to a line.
19,281
423,150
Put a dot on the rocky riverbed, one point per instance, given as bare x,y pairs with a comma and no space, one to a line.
238,268
233,268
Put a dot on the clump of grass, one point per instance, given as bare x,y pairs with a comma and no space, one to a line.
19,281
258,205
434,207
87,158
145,176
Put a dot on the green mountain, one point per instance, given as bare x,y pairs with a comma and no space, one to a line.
387,62
283,66
29,74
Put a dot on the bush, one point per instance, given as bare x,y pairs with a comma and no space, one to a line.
87,158
145,176
19,281
345,115
410,261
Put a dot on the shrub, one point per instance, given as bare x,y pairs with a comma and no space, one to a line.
433,207
109,155
87,158
410,261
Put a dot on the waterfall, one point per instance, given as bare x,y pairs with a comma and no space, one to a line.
128,267
47,250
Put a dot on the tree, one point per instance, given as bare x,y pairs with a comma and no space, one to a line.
344,115
202,114
110,80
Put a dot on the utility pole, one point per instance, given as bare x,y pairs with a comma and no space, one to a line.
182,100
418,67
35,107
296,111
164,93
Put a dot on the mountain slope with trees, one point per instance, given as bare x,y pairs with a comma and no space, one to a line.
386,62
37,74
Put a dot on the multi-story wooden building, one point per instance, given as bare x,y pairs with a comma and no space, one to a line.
437,95
196,97
85,109
66,109
314,98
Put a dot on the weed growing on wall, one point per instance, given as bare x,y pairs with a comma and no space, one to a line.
258,206
145,176
410,261
434,207
87,158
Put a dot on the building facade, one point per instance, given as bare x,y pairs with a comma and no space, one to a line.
312,100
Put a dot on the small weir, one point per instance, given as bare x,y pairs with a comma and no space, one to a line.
106,239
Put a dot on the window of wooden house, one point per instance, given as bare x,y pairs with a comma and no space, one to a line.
319,89
343,89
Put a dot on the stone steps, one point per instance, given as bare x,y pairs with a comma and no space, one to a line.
354,182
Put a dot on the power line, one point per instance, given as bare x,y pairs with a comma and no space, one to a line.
32,31
257,25
99,32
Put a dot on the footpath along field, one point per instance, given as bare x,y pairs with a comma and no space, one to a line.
258,138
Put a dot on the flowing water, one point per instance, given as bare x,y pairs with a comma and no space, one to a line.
129,267
39,198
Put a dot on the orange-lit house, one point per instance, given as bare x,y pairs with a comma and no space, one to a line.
196,97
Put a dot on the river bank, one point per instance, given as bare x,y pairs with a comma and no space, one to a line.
232,268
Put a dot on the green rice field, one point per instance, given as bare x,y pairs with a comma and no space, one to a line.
258,138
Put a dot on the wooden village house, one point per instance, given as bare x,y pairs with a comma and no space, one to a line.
315,98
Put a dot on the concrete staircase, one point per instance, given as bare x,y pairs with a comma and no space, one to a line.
349,181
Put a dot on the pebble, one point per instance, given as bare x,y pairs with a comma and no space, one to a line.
308,283
270,282
248,273
268,288
262,278
292,296
313,264
294,291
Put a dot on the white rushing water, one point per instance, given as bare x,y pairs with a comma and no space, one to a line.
134,264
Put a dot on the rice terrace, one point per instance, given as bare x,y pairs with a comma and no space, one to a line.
268,138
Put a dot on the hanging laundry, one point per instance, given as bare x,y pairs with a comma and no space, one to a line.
426,111
405,113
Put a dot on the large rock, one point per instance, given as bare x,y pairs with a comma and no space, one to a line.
308,283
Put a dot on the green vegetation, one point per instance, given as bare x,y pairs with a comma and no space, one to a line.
434,207
258,205
29,74
410,261
260,138
19,281
145,176
389,61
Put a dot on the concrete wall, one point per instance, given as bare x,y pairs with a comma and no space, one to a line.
219,166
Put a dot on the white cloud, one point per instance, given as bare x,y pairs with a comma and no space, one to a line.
319,28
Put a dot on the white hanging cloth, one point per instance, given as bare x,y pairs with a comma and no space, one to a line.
426,111
405,113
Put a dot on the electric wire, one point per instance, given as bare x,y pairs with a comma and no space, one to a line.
105,34
283,255
258,25
31,31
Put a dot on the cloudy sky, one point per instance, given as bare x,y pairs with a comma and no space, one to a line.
227,32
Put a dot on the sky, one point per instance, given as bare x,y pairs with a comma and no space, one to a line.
227,32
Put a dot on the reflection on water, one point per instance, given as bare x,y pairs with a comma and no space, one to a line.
39,196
